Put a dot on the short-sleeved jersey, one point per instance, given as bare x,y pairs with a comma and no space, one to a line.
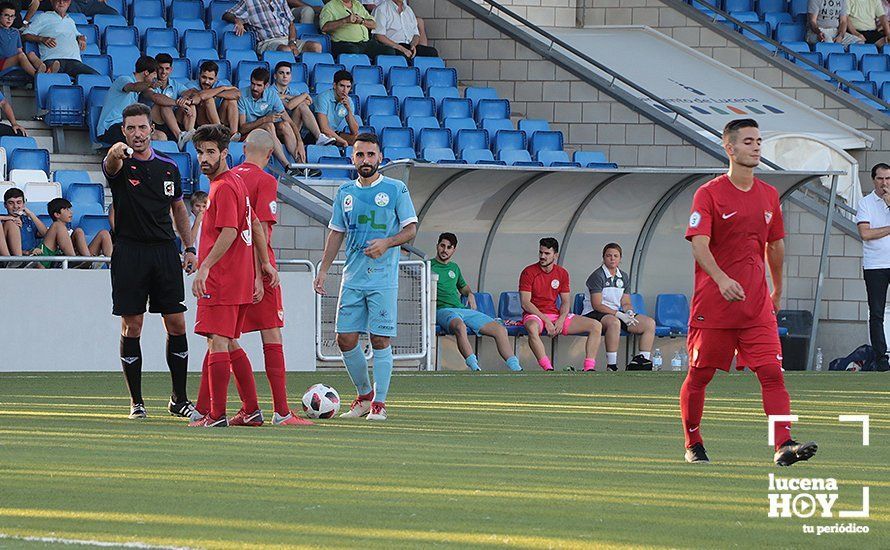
174,89
612,287
267,104
451,280
365,213
545,286
262,190
142,193
326,104
740,224
116,100
10,42
230,281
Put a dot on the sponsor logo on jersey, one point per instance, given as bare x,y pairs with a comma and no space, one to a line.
347,203
273,207
169,188
694,219
729,215
381,199
134,182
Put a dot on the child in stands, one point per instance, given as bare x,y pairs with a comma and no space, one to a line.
11,53
61,240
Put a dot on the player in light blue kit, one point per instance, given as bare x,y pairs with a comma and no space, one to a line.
375,215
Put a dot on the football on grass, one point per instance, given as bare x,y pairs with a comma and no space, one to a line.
321,401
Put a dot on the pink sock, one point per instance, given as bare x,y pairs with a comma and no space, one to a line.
589,364
545,363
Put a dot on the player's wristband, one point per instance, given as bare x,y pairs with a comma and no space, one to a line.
190,249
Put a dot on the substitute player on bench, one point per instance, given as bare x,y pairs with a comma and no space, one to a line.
736,220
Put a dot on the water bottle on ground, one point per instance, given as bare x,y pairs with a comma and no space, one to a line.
677,361
818,363
657,360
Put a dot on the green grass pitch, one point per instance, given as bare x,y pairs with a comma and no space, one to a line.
565,460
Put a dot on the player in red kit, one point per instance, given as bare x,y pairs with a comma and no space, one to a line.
227,282
267,316
736,220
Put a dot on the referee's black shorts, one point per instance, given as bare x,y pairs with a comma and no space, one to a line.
146,273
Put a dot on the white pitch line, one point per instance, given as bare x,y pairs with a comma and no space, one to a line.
103,544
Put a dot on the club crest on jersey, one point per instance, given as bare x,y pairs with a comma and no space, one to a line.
554,283
347,203
768,216
694,219
619,283
382,199
169,188
273,207
281,315
451,274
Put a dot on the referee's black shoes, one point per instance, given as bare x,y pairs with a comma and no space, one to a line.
791,451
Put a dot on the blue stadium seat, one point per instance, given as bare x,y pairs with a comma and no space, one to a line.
474,94
425,63
397,137
790,32
101,63
775,18
186,169
92,49
867,100
477,156
551,158
672,311
493,125
365,91
587,157
217,8
492,108
386,62
401,92
11,143
578,303
182,68
224,69
860,50
418,123
434,138
102,20
309,58
459,123
237,57
850,75
154,51
306,28
68,177
164,146
508,139
185,25
878,77
874,62
469,139
438,93
231,42
531,125
418,106
639,306
456,107
65,105
220,27
797,47
770,6
798,9
147,8
510,309
198,38
161,37
186,9
841,62
241,73
549,141
440,77
120,36
315,152
27,158
123,59
236,149
813,57
93,121
349,60
738,5
78,18
380,105
91,224
335,173
90,32
43,82
323,76
756,27
367,74
398,153
403,76
512,156
866,86
85,193
439,155
826,48
299,72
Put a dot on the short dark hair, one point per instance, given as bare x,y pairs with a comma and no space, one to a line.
136,109
164,58
283,64
55,206
368,137
209,67
215,133
450,237
7,6
878,166
13,193
343,74
549,242
612,246
199,196
148,63
733,126
260,74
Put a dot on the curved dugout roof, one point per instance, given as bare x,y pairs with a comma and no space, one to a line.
499,213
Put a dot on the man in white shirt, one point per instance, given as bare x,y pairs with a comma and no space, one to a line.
59,39
873,222
397,28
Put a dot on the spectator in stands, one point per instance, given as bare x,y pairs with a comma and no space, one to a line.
334,110
125,91
421,25
22,229
198,205
21,5
539,287
59,39
867,21
873,222
827,21
297,105
609,303
215,102
86,7
453,317
13,128
349,25
11,53
304,12
260,107
61,240
272,24
171,111
397,28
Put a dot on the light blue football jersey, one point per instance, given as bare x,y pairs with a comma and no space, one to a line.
378,211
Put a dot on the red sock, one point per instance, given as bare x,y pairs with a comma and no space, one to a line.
692,402
218,368
775,399
274,357
244,380
203,404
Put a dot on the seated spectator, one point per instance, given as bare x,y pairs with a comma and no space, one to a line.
22,5
172,113
609,303
215,102
11,53
13,128
453,317
305,13
867,21
349,25
125,91
334,110
272,24
86,7
421,25
260,107
298,106
539,286
198,204
827,21
59,39
397,28
61,240
22,229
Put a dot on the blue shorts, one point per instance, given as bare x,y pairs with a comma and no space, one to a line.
475,320
368,311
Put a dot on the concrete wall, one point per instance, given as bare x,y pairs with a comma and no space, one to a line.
547,13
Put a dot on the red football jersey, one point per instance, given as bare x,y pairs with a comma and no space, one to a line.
262,189
231,279
740,224
545,287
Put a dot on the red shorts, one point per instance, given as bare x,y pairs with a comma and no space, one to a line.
715,347
3,61
269,313
220,320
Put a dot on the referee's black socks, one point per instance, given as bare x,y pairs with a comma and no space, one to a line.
131,361
178,363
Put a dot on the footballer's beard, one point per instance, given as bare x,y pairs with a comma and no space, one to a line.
444,257
210,169
367,170
545,263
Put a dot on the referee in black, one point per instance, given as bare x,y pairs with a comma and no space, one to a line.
145,265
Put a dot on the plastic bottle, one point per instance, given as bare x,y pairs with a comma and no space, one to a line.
657,359
818,363
677,361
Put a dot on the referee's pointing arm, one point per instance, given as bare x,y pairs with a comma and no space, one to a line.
114,160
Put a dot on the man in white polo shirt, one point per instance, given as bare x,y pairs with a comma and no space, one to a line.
873,221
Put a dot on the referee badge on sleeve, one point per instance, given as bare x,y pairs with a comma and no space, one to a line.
169,188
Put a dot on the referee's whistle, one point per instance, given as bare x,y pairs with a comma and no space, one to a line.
129,151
